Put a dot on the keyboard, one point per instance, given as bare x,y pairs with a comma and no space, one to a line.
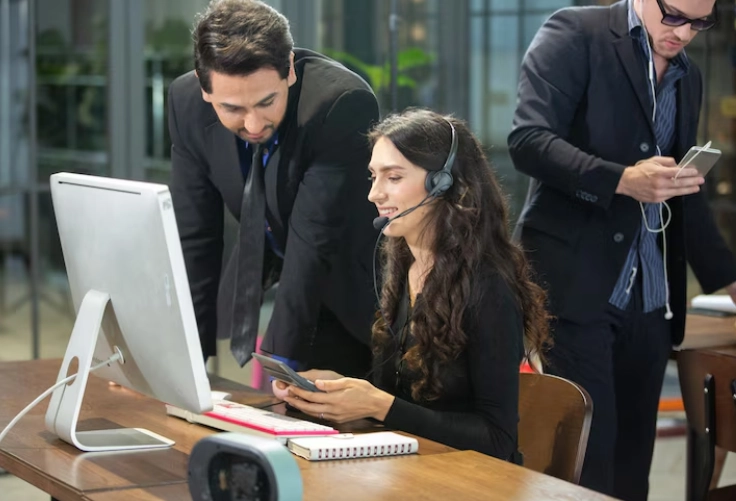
232,416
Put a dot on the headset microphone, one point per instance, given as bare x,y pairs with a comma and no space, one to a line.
380,222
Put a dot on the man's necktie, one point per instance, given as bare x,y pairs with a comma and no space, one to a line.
248,289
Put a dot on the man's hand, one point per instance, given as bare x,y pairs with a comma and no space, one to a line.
653,180
281,389
346,399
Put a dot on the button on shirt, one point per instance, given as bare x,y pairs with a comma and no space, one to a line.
644,256
245,153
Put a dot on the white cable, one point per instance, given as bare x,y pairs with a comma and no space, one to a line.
114,358
668,311
650,71
663,225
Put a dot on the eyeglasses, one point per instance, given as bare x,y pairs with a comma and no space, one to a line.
695,24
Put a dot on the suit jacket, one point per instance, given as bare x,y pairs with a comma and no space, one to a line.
316,204
585,114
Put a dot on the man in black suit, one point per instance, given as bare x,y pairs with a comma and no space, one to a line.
608,101
305,221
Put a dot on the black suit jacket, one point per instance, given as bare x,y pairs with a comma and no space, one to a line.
584,114
316,196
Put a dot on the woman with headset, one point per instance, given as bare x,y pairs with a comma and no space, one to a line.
457,308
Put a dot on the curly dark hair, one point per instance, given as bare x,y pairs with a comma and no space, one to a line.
239,37
471,227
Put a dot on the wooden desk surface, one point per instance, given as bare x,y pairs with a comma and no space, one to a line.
466,475
37,456
704,332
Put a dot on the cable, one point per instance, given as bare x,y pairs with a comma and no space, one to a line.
668,311
113,358
663,225
426,200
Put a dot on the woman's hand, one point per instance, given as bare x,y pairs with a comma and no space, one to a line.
281,389
346,399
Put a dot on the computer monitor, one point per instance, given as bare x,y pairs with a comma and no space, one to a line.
130,290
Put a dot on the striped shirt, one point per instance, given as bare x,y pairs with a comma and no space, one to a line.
645,257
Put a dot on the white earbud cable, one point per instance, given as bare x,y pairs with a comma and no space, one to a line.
663,224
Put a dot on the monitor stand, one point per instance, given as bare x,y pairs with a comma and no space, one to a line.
66,401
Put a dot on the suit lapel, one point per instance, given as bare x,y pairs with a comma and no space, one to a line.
627,52
225,165
277,169
635,72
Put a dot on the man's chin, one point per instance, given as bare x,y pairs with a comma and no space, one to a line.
667,51
263,138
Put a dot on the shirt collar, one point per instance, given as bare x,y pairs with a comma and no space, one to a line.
269,144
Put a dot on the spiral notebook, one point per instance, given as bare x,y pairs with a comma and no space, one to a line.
349,446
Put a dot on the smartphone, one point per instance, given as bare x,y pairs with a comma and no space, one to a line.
279,370
702,159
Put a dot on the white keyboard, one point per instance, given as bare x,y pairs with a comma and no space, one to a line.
232,416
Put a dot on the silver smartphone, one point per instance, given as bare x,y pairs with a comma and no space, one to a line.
702,159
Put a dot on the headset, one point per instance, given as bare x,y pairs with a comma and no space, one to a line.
437,183
663,223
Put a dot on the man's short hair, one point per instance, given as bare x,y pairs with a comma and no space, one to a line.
239,37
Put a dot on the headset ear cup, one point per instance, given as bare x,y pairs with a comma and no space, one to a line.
429,182
440,182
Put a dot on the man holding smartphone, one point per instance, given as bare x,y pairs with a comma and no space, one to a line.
608,100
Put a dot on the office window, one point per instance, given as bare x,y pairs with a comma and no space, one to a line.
168,54
500,32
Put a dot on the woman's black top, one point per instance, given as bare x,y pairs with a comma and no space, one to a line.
478,407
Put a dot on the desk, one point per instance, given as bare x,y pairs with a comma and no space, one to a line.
35,455
462,475
706,374
705,332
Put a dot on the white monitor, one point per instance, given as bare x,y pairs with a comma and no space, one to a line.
130,290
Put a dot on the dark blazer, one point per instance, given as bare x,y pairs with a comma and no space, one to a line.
584,114
316,197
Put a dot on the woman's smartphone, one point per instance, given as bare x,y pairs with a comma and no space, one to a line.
702,159
279,370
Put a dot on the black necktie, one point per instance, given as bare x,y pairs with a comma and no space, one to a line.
248,290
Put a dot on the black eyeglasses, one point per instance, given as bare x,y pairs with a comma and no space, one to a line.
695,24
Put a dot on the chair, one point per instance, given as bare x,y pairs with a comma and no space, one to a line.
708,385
554,421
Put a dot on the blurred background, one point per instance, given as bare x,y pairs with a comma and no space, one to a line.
83,88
